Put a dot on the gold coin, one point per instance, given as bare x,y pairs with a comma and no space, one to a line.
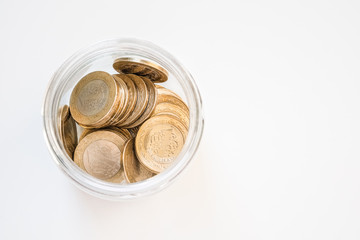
150,106
119,102
133,68
159,141
94,98
100,154
169,98
85,132
123,132
141,102
132,96
172,109
133,169
141,67
163,90
68,131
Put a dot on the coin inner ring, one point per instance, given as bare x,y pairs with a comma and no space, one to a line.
93,97
102,159
163,143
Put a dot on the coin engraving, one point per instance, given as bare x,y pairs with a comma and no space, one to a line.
159,141
141,67
102,159
93,97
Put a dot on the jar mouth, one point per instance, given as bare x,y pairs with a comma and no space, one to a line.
64,77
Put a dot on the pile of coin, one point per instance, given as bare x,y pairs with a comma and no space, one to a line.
131,129
68,133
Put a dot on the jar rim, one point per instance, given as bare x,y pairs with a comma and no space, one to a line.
51,104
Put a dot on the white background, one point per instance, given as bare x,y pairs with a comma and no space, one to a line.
279,158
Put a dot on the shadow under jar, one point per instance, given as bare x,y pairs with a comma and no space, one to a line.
100,57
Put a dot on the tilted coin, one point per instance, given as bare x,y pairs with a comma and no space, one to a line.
100,154
85,132
68,131
121,131
133,68
141,67
159,141
133,131
141,102
132,97
163,90
133,169
169,98
93,98
172,109
150,106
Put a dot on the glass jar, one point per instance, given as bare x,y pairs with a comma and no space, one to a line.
101,57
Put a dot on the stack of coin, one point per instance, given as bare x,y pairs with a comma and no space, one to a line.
98,99
132,128
170,103
68,133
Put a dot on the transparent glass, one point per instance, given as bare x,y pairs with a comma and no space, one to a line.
100,57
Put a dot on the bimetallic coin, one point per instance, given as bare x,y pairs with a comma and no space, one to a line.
142,68
100,154
159,141
102,159
133,169
93,98
150,106
119,177
68,131
141,102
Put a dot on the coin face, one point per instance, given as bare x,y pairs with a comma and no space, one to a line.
100,154
142,68
68,131
141,102
172,109
133,169
102,159
150,106
93,97
159,141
